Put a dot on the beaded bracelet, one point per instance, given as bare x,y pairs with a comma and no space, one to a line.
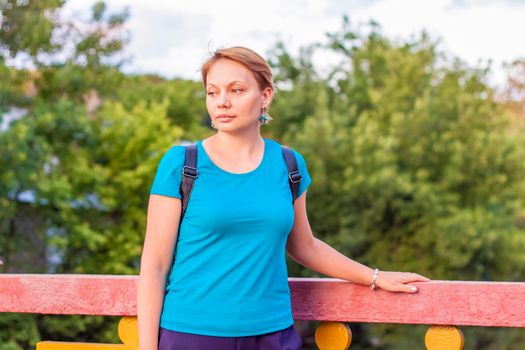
374,278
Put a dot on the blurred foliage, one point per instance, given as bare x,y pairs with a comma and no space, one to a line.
415,167
416,161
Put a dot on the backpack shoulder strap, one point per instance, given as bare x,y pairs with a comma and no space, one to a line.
294,176
189,174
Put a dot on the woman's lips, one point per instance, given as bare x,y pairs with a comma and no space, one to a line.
225,118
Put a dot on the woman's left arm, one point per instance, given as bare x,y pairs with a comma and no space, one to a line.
318,256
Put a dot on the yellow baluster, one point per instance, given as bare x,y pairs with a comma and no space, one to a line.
127,331
444,338
333,336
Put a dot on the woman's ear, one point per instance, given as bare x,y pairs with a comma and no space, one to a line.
267,96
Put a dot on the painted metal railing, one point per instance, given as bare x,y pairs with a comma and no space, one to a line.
443,305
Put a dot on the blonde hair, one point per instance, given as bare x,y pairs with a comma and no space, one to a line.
248,58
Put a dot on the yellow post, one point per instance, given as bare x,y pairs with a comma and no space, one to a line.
333,336
128,333
444,338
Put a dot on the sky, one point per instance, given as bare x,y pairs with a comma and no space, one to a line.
172,38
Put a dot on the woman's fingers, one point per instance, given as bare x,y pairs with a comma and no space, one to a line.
420,278
413,277
409,289
399,281
401,288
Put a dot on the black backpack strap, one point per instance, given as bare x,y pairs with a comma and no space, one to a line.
294,176
189,174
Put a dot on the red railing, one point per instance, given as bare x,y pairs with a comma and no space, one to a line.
438,303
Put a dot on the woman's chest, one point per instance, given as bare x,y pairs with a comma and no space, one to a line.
254,204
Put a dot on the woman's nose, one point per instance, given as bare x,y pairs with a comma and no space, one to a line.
223,100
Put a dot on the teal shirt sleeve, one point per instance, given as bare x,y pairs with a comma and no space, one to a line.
169,173
305,177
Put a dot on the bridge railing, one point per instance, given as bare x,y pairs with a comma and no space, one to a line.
443,305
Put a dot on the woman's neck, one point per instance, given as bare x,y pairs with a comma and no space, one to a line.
237,146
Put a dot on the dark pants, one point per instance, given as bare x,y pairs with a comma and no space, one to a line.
286,339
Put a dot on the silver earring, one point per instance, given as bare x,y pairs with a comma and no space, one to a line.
213,125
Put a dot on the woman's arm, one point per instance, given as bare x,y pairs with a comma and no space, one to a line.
161,233
318,256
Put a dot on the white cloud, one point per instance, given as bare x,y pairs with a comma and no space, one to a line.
481,31
173,37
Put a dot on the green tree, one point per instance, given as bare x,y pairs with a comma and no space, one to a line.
415,165
414,168
297,87
28,27
59,189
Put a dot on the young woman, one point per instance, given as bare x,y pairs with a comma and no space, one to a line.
228,285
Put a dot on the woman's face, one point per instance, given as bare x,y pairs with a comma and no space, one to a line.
233,97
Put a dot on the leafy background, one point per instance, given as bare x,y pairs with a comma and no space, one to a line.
416,161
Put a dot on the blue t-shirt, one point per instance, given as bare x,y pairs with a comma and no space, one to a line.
230,276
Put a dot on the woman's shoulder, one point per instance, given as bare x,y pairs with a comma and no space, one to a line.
279,145
175,151
173,158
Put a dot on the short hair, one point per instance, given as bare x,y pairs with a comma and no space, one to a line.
248,58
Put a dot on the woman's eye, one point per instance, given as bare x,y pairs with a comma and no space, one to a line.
236,91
